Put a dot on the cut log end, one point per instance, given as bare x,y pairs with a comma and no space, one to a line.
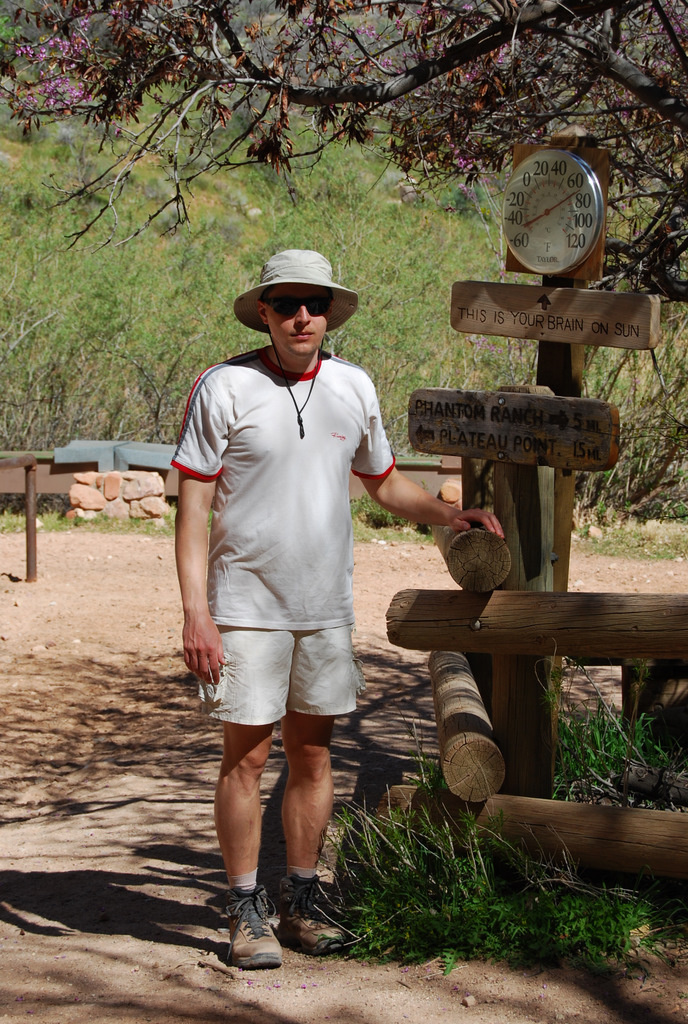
473,768
476,559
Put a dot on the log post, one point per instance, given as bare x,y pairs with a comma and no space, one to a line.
476,559
560,367
29,462
522,705
653,684
472,764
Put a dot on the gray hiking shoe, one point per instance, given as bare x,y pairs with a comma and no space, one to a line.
303,923
252,942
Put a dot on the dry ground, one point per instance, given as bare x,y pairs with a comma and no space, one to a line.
111,882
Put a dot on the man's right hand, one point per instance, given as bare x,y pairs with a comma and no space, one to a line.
203,653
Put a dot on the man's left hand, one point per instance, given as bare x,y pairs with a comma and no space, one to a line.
465,518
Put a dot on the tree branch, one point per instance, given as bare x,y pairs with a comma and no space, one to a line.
480,43
669,29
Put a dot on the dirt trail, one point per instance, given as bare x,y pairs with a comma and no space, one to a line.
111,881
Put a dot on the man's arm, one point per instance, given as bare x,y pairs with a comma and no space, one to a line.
403,497
203,652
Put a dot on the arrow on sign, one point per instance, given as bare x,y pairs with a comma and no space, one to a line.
423,434
544,301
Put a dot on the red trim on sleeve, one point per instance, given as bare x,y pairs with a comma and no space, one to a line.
376,476
191,472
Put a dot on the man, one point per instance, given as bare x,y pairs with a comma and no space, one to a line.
268,442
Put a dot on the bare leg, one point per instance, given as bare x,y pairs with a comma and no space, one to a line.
308,797
237,797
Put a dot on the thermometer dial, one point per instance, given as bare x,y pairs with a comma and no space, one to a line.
553,211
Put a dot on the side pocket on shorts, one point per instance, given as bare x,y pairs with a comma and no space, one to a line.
218,700
359,678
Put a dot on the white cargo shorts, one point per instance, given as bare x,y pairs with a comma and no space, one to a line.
270,671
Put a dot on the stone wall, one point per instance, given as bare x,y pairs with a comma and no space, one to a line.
130,494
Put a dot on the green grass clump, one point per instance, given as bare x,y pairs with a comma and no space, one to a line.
420,887
632,538
56,522
595,748
596,745
416,890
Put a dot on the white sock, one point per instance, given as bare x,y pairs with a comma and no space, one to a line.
246,881
301,872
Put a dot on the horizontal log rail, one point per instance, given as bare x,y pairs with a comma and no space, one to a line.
541,624
627,839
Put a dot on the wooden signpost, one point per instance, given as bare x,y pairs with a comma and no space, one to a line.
547,202
536,438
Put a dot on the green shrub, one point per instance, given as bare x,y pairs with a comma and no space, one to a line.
415,890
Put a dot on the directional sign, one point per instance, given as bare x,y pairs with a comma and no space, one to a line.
571,315
515,427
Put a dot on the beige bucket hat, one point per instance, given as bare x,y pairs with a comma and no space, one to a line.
296,266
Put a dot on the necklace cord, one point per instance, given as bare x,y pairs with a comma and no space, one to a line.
299,420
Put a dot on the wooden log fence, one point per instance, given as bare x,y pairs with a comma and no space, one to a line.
537,437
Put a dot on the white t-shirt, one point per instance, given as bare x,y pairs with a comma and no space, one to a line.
281,540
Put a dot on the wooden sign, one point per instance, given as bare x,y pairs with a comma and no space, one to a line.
571,315
515,427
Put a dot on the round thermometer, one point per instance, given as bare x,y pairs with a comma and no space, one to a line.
553,211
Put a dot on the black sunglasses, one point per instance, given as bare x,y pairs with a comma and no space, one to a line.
287,305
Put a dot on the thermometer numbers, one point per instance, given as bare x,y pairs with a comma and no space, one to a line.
553,211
